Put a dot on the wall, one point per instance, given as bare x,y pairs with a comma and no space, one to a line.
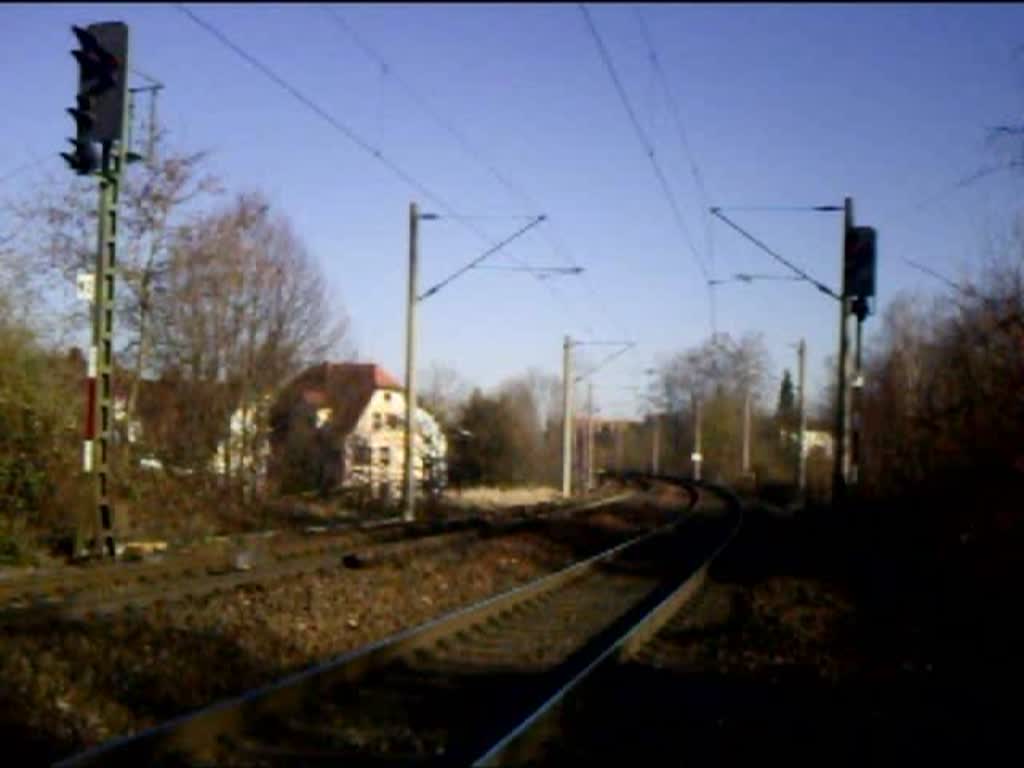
379,435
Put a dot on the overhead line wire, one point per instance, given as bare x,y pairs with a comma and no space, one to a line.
932,273
698,177
462,270
346,131
777,256
641,134
557,245
961,183
459,137
316,108
598,366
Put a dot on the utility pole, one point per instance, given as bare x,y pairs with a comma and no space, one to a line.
589,481
747,433
410,368
152,90
696,457
840,467
101,116
656,443
859,257
101,362
856,389
151,144
801,472
579,482
567,420
619,448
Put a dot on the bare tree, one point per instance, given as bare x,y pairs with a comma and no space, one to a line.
546,390
245,310
942,405
57,237
719,373
444,391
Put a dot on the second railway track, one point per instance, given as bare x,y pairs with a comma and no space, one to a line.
454,690
110,589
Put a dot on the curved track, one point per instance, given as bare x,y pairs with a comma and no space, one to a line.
476,684
548,735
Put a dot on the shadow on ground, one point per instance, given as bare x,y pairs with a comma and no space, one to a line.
913,664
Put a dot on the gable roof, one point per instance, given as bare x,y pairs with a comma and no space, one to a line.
346,388
384,380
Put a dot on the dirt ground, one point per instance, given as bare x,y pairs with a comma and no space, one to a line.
789,658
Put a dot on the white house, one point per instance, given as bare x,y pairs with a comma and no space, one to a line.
813,438
344,425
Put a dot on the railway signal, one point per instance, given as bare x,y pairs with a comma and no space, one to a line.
100,116
83,160
858,287
99,103
102,76
859,268
859,255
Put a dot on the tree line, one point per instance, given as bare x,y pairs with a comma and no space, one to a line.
218,302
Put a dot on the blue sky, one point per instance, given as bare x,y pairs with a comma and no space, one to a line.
797,104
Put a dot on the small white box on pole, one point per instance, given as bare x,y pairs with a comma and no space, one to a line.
86,285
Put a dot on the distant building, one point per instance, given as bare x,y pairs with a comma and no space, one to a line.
813,439
179,422
342,425
818,438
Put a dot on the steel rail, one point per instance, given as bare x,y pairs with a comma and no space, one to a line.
195,581
118,582
199,735
181,563
523,743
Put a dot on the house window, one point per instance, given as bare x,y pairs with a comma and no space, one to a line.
393,421
385,455
377,421
362,455
387,397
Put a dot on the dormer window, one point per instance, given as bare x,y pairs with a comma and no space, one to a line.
378,421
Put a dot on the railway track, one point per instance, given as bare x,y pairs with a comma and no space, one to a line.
477,684
582,722
110,589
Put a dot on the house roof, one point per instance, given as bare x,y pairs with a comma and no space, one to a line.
344,387
384,380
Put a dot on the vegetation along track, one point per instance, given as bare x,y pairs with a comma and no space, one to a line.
448,690
78,594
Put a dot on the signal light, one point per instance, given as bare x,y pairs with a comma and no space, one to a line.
84,118
102,86
84,159
859,266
